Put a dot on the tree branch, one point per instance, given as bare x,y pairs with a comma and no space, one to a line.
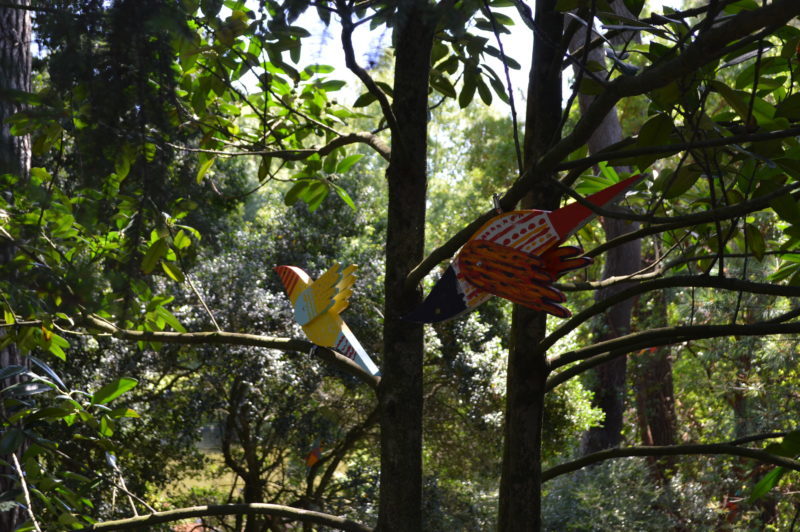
294,514
229,338
618,156
715,215
370,139
671,450
604,351
678,281
355,68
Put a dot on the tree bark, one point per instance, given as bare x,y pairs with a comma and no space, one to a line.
655,396
400,391
608,381
15,158
521,476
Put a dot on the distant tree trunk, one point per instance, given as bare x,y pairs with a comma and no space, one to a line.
400,393
15,158
652,381
608,381
521,476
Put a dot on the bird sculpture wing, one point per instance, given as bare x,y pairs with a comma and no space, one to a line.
317,305
328,294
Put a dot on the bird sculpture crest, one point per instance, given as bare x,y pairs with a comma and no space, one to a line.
317,305
515,255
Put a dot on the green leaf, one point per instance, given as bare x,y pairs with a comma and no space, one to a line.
769,481
682,181
124,412
364,100
204,166
170,318
294,193
755,241
11,441
11,371
654,132
347,163
467,90
155,253
345,196
173,271
113,390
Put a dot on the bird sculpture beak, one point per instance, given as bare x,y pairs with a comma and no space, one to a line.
443,303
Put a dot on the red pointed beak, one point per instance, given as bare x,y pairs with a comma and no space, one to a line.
568,219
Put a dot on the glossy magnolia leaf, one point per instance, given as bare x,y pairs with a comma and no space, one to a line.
49,371
11,371
113,390
755,241
11,441
769,481
173,271
654,132
204,166
345,196
348,162
154,254
682,181
364,100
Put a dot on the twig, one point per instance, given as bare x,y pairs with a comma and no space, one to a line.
514,125
25,491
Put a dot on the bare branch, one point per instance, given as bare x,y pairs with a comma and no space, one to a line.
229,338
671,450
355,68
294,514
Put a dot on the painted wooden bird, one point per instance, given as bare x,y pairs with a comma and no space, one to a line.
317,305
515,255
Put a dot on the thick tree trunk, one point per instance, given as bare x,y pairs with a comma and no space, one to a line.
521,480
400,393
15,158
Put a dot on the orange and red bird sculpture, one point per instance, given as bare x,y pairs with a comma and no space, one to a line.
516,256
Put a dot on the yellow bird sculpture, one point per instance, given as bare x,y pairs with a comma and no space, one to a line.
317,305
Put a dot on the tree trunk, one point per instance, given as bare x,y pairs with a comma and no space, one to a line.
608,381
15,158
400,393
521,477
652,381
